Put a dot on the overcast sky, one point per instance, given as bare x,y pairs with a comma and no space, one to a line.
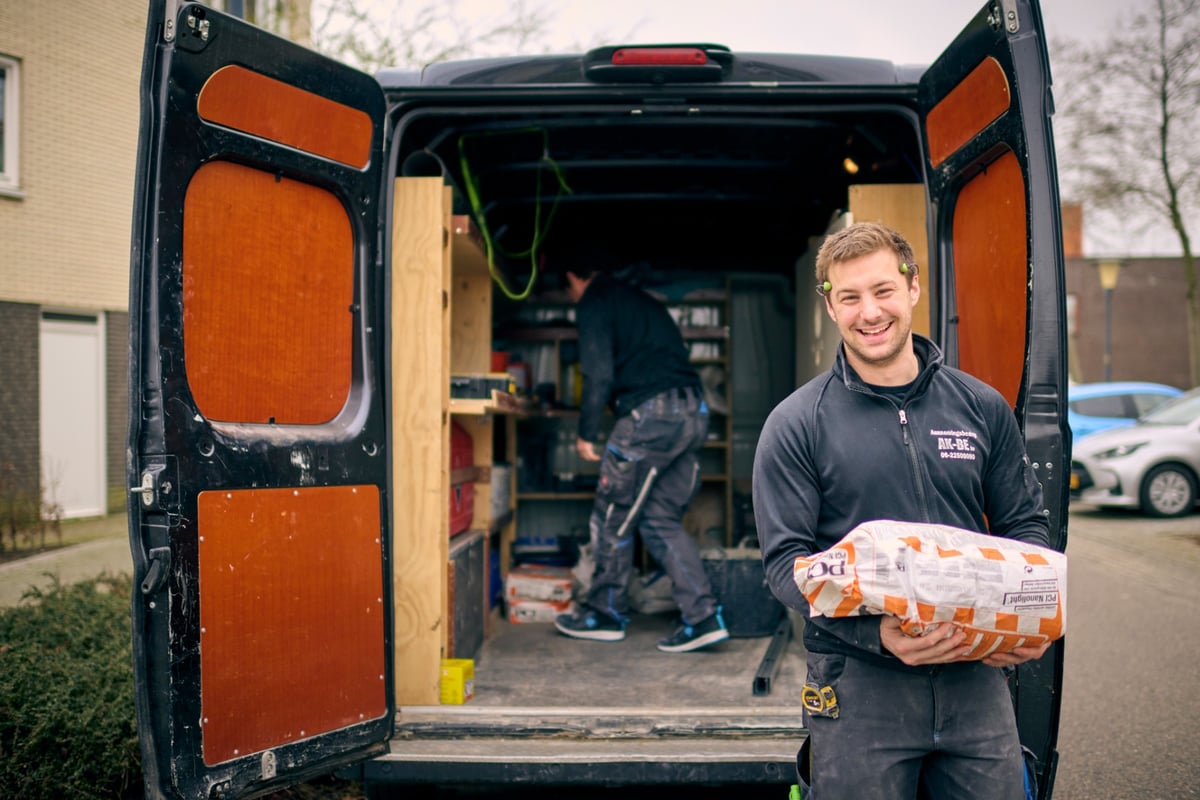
908,32
913,31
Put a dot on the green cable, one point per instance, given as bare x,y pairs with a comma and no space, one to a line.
540,230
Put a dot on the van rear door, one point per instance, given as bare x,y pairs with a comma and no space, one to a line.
996,227
257,450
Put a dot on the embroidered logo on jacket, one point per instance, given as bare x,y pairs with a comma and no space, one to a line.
955,444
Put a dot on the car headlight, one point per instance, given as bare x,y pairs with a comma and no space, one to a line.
1121,450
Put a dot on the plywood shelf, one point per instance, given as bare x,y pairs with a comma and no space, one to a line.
499,403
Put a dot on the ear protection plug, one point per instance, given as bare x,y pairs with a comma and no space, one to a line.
905,269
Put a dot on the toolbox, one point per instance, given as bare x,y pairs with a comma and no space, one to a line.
467,595
480,386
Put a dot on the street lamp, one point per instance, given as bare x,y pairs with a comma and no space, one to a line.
1109,271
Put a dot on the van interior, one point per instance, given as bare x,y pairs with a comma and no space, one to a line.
686,199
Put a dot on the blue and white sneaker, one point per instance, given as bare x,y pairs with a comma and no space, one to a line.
591,624
692,637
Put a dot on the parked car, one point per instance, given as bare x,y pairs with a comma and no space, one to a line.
1152,465
1093,407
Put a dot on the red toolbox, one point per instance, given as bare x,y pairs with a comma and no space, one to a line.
462,485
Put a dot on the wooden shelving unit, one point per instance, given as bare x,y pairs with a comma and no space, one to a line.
441,324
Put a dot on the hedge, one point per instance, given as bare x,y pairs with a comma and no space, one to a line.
67,720
67,726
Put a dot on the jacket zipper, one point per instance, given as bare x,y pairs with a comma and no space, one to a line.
913,459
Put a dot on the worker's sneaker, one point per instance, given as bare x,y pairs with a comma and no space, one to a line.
588,623
693,637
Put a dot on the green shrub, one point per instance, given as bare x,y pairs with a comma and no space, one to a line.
67,724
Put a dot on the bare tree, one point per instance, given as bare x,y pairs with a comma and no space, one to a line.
291,19
1127,127
412,35
371,36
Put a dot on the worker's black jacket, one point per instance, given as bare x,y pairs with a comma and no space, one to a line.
837,453
629,350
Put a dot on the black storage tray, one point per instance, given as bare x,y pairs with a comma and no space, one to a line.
740,584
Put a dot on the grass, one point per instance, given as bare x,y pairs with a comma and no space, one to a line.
72,532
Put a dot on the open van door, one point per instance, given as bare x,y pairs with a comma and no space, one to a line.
1000,297
257,459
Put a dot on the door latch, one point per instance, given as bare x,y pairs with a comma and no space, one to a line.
159,488
146,490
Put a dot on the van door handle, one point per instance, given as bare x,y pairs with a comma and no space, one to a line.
160,567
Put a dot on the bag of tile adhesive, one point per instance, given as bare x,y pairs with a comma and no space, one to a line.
1002,592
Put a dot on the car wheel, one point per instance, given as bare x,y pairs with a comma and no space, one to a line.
1168,491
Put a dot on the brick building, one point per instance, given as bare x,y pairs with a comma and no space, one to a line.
1149,315
68,142
1149,321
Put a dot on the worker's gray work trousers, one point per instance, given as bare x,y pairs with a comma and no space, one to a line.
649,473
946,732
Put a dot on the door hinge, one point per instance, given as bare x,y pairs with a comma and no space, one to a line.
1004,15
172,11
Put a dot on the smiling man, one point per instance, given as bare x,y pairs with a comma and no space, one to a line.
892,433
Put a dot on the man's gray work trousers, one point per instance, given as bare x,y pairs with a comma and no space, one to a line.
948,732
649,473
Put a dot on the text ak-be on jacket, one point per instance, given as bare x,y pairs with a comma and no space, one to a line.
836,453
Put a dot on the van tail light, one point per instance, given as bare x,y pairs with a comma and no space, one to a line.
657,64
659,56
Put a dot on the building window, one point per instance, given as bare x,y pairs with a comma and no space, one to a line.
10,124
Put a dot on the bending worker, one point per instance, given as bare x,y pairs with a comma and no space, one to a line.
632,355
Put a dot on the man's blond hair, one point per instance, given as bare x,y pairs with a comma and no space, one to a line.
863,239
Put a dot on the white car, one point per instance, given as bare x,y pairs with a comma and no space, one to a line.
1153,465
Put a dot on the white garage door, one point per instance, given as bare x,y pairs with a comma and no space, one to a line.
72,412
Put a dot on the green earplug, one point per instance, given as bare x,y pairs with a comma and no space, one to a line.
904,269
826,286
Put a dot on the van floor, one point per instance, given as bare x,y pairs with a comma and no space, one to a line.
542,698
532,664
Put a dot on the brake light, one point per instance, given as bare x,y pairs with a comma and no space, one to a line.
661,64
659,56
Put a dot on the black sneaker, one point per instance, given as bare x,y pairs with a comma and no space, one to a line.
588,623
693,637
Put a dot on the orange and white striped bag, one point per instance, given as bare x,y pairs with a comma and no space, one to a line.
1002,592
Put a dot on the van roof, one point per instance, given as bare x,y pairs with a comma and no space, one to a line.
568,69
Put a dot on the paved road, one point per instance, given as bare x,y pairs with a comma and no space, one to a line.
1131,700
1131,696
